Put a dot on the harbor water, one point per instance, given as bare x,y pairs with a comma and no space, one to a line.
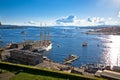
103,49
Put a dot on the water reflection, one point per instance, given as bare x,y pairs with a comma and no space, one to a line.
113,50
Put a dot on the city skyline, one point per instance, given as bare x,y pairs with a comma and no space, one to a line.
60,12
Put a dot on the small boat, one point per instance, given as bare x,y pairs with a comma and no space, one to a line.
1,41
98,45
58,45
70,59
84,44
23,32
64,30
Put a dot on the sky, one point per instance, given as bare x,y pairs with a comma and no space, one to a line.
60,12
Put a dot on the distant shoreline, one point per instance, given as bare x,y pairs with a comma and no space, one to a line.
105,31
16,27
11,27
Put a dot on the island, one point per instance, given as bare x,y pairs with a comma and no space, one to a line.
115,30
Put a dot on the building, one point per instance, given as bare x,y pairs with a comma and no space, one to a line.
26,57
16,45
31,45
116,68
110,75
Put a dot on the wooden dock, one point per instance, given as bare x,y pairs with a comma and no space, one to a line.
70,59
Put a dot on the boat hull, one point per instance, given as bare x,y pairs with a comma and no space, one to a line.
46,48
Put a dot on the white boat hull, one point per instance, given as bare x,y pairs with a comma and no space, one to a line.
45,48
49,47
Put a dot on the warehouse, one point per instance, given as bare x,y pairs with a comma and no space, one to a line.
26,57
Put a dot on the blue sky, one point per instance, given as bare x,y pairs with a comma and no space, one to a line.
60,12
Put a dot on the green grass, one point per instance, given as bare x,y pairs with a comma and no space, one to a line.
33,71
27,76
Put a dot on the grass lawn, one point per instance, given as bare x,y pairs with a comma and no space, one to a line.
27,76
24,72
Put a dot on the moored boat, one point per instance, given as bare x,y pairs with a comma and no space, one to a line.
84,44
0,40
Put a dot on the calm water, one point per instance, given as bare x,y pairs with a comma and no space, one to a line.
70,41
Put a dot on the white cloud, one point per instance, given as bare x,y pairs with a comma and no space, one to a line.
97,20
85,22
111,21
50,23
74,21
31,22
39,23
68,19
119,14
109,18
91,21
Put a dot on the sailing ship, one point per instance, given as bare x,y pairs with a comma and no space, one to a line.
45,42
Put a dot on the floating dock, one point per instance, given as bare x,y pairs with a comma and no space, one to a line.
70,59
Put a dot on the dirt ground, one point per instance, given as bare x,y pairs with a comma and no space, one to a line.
51,65
6,75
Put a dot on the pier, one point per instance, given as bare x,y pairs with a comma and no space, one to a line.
70,59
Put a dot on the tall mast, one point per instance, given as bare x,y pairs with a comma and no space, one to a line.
45,31
41,32
48,34
24,35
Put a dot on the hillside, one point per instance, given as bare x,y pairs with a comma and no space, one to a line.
111,30
107,31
